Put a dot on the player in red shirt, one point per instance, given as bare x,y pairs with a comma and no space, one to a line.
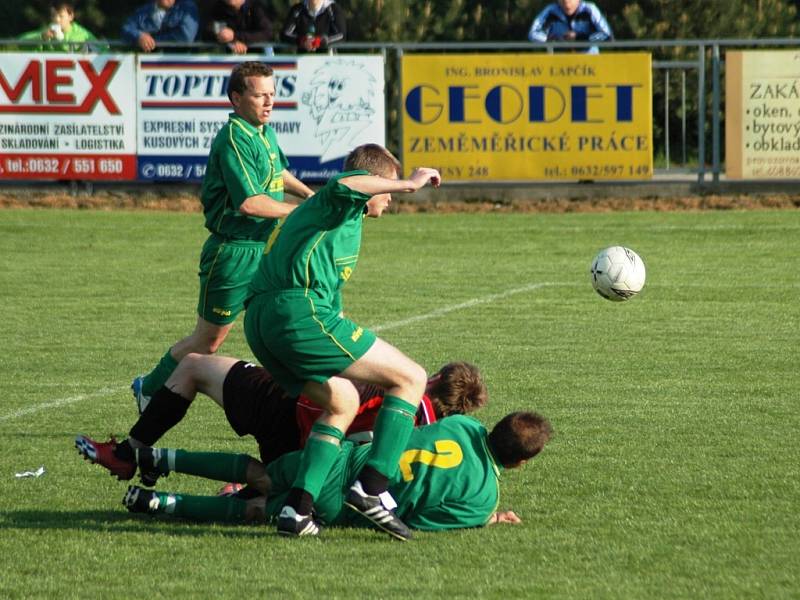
255,405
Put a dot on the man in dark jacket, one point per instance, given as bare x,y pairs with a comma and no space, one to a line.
239,24
314,25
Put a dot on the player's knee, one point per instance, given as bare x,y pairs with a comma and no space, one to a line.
415,380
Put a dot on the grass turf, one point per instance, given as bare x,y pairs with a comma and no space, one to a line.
673,473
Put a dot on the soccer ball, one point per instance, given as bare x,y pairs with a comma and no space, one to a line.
617,273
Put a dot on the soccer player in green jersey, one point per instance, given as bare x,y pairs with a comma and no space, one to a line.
295,327
243,197
448,476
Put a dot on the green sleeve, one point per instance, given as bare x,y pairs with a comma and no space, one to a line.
237,162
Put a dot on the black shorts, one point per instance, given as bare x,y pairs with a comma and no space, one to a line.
256,405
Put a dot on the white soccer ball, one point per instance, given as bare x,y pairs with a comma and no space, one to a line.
617,273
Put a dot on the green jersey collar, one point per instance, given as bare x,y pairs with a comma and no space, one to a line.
240,122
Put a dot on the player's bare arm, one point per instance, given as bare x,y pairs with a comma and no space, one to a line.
374,184
262,205
296,187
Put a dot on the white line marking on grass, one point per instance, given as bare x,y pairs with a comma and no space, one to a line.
431,315
56,404
468,304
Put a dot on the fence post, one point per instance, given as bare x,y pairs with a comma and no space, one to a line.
701,113
400,106
715,117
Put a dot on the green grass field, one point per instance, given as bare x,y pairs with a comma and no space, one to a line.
674,469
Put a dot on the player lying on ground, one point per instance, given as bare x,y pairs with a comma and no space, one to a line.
295,327
448,477
255,405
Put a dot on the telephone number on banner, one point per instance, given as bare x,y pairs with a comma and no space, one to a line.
67,167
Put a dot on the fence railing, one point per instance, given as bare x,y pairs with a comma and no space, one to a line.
695,59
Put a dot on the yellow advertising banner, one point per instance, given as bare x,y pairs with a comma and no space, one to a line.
762,114
524,117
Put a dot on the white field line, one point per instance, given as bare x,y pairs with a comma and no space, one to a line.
383,327
56,404
468,304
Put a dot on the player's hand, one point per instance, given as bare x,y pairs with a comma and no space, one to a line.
423,175
146,42
506,516
225,35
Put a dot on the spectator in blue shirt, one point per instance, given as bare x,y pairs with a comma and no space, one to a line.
568,21
161,21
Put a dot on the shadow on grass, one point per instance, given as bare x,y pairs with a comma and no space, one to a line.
97,520
122,522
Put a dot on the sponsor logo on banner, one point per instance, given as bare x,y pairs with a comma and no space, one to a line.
528,116
67,116
762,114
324,106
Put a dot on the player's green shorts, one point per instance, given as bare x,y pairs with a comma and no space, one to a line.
329,505
300,338
226,268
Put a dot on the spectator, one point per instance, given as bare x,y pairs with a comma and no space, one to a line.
569,21
314,25
239,24
63,33
161,21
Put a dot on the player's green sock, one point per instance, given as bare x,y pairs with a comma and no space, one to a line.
159,375
393,426
317,459
221,466
202,508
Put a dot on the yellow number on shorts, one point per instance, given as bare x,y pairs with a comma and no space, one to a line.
448,455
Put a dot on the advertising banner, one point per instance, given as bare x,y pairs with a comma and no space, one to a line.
520,117
67,116
324,107
762,114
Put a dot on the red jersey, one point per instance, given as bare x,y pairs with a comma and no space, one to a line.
371,397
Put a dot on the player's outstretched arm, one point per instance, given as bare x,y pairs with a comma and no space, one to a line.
505,516
375,184
262,205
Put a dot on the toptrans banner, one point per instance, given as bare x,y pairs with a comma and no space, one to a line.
762,114
324,107
518,117
67,116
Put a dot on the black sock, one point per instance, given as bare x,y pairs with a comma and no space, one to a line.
124,451
300,500
374,482
165,410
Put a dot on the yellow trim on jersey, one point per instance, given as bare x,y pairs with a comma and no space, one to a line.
496,478
239,157
345,259
311,300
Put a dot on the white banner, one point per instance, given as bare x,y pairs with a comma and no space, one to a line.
66,116
324,107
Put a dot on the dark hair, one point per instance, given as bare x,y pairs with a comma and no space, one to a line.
458,389
250,68
519,436
373,158
59,6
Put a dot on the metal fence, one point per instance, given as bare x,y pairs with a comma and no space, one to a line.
692,61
